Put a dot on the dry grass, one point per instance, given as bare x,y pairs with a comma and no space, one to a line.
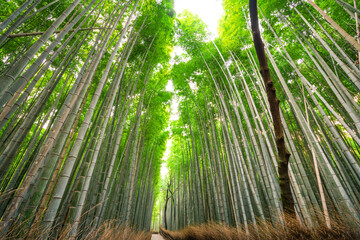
265,230
110,231
107,231
261,230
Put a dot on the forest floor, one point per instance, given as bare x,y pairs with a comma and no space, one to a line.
156,237
265,230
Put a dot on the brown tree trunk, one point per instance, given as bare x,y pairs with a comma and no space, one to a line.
166,202
165,208
284,155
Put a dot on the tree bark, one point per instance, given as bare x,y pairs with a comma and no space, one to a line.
284,155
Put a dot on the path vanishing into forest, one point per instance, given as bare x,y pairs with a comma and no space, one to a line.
157,237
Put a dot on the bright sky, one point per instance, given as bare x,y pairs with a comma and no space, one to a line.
209,11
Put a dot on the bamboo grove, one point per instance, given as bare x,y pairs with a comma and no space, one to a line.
224,160
85,117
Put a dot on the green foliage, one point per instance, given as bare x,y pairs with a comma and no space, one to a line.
159,25
191,31
223,132
233,27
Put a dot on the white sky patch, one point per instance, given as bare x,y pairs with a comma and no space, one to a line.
164,170
193,86
170,86
174,115
174,109
177,51
210,11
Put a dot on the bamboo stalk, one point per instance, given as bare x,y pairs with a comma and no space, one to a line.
349,38
41,33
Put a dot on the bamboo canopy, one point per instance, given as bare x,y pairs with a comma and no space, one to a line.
87,120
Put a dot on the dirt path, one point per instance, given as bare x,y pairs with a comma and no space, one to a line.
157,237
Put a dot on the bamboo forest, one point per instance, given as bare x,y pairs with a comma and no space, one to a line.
125,119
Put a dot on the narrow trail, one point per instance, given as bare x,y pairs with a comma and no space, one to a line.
157,237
